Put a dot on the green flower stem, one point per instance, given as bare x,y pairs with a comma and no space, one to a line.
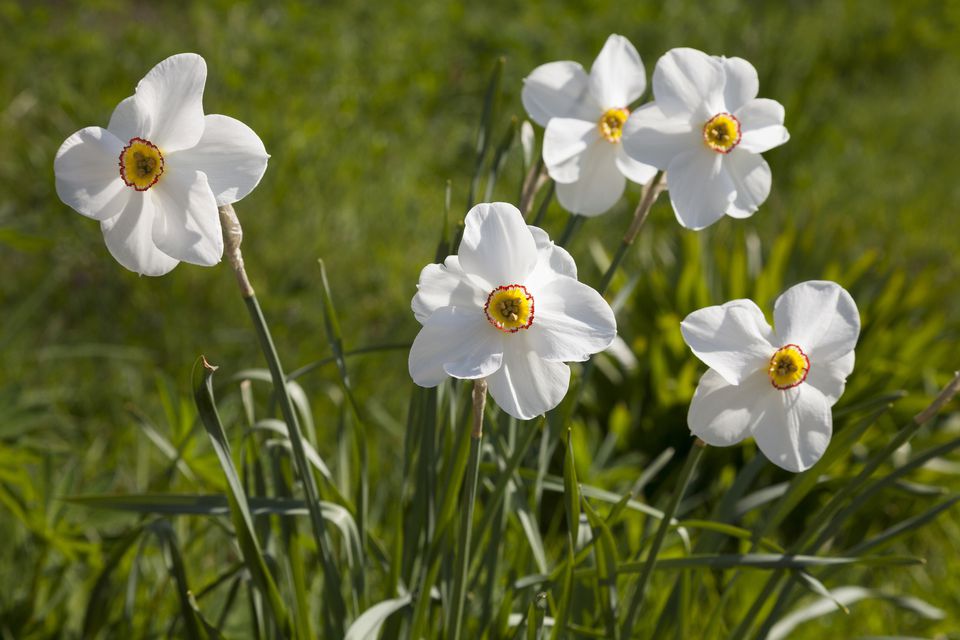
650,194
532,182
636,603
232,236
466,522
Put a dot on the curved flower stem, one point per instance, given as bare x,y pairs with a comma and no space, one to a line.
650,194
466,522
232,237
636,603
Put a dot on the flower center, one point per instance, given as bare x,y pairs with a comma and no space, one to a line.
611,123
510,308
789,367
141,164
722,133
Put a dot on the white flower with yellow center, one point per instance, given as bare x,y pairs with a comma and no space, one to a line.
155,176
584,117
508,308
706,128
777,386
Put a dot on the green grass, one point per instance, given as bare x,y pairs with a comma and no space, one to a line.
368,110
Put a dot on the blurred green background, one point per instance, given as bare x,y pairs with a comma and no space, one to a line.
368,109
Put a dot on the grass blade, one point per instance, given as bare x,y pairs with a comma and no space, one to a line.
237,500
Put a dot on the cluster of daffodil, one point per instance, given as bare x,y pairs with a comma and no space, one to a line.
508,308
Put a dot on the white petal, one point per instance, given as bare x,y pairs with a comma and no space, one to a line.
617,77
571,322
527,386
742,83
129,120
830,376
129,237
88,175
552,259
761,125
751,177
445,285
559,90
734,339
651,137
230,154
794,428
564,143
820,317
633,169
497,245
455,342
687,81
187,223
171,97
700,190
600,184
722,414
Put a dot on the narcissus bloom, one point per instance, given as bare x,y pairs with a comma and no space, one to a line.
777,386
155,176
706,128
584,116
508,308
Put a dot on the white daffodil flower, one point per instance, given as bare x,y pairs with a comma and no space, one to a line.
777,386
583,116
706,128
155,176
508,308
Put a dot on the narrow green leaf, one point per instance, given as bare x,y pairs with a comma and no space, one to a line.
571,493
367,625
500,158
607,561
761,561
849,596
97,613
491,102
636,602
237,500
902,528
195,630
563,609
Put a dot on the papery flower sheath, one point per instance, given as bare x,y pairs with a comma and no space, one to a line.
706,128
156,175
584,116
509,308
776,385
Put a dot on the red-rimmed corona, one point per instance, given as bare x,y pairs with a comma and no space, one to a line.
722,132
789,367
510,308
141,164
